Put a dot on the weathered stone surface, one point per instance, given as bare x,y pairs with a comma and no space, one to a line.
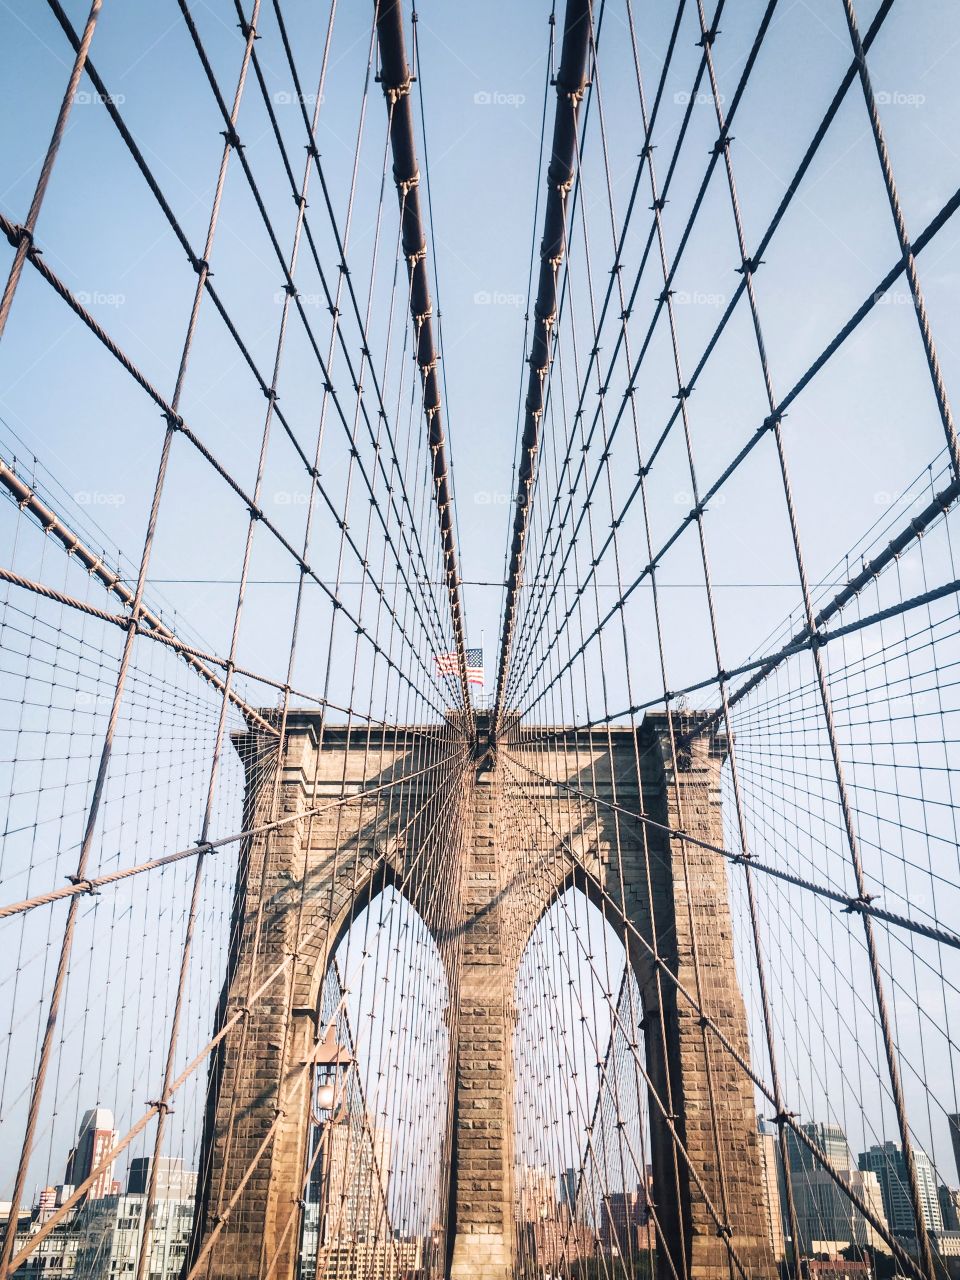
530,831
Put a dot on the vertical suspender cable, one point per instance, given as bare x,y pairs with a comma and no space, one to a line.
571,84
396,80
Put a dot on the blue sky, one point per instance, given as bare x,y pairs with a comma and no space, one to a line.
482,80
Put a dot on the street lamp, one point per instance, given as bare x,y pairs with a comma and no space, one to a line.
332,1063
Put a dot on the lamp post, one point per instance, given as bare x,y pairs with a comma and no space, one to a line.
331,1065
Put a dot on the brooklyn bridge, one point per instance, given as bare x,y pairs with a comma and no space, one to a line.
541,867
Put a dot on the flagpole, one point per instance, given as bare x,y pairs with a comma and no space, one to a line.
483,666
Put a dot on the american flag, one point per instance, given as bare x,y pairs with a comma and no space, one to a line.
447,665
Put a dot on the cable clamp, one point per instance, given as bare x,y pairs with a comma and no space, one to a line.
782,1117
859,903
312,152
19,235
724,1230
722,143
394,92
164,1108
664,296
232,138
683,393
659,204
647,152
708,37
750,264
200,266
81,883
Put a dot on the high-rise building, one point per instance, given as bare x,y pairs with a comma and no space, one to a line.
174,1182
538,1194
623,1222
569,1181
888,1164
954,1122
355,1177
827,1219
831,1140
949,1198
97,1135
770,1159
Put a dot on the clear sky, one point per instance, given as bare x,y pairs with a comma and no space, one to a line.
482,71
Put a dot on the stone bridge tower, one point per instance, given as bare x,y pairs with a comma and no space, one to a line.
667,898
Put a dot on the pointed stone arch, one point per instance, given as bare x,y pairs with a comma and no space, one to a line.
665,892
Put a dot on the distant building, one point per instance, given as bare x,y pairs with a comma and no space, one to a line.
949,1198
556,1243
831,1140
624,1219
56,1255
569,1181
888,1164
827,1219
373,1260
946,1243
102,1238
110,1230
954,1122
537,1193
97,1136
770,1158
354,1183
174,1182
835,1268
